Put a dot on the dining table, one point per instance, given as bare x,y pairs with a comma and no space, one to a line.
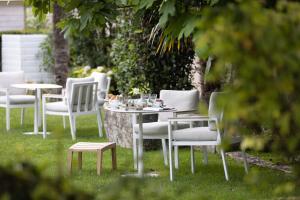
37,88
140,113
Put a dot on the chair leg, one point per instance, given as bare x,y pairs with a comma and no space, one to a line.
99,120
170,161
165,153
7,119
70,160
44,124
99,161
72,126
176,155
134,148
79,160
22,116
246,166
224,164
114,157
205,158
64,121
192,160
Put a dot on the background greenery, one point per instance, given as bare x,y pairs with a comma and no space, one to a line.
139,65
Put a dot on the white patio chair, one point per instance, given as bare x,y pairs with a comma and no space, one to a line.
103,89
12,97
80,99
184,101
103,86
210,135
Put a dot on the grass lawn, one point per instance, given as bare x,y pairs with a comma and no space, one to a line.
208,182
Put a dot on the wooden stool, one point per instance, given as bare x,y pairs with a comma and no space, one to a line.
92,147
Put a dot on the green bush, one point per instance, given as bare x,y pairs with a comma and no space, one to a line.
92,48
139,65
22,180
262,46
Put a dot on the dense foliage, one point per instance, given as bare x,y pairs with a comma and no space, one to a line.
262,47
23,180
139,65
92,48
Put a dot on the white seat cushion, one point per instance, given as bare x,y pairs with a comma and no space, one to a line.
195,134
157,128
18,99
58,106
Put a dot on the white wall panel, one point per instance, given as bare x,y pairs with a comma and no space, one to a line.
19,52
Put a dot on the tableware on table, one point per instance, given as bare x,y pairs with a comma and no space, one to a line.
114,103
158,103
152,99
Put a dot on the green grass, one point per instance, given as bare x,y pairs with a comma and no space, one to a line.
208,181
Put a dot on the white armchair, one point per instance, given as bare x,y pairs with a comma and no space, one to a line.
184,101
12,97
80,99
210,135
103,86
103,89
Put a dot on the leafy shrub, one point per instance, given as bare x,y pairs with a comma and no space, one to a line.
262,46
46,54
23,180
92,48
138,65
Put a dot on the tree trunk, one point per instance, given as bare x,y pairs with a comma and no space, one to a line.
204,87
199,66
61,50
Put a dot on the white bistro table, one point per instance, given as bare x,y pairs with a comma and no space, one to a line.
140,138
37,87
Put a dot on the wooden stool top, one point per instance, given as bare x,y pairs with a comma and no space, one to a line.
92,146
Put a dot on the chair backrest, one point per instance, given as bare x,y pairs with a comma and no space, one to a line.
83,97
103,84
181,100
9,78
71,81
215,109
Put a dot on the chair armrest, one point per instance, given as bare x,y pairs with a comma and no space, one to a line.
181,112
53,96
191,119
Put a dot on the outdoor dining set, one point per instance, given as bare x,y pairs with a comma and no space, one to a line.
178,123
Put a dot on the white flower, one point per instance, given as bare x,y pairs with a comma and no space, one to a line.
109,73
135,90
86,69
100,68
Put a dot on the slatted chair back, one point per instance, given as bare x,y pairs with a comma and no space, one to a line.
215,109
9,78
181,100
103,84
83,97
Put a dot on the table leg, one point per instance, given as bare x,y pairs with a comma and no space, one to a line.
39,93
140,147
36,113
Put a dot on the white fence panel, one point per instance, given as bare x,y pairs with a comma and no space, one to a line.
19,53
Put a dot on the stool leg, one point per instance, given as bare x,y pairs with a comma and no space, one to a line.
114,158
99,162
79,160
70,159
